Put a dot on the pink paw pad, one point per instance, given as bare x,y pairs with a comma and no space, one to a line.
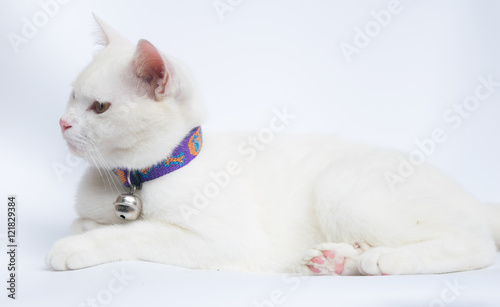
339,266
314,269
327,264
328,254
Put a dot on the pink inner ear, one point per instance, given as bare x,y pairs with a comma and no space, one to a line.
149,65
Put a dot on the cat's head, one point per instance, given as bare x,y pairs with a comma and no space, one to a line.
130,106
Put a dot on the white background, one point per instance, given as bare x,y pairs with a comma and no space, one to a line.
259,55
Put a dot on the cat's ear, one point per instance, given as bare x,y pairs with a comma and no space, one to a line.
152,67
107,35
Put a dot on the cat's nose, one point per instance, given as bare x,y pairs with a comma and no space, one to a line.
64,125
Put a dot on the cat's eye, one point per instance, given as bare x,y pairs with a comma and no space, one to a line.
100,107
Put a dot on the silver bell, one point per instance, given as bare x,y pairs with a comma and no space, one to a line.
128,206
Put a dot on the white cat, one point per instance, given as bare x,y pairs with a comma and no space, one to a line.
305,204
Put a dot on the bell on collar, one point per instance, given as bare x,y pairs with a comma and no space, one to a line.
128,206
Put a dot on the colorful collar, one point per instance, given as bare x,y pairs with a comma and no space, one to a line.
187,150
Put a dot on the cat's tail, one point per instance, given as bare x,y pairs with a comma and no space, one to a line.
493,214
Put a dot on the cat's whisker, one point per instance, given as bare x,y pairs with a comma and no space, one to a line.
92,159
99,166
106,168
99,162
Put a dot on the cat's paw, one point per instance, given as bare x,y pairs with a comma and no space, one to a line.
333,259
82,225
75,252
387,261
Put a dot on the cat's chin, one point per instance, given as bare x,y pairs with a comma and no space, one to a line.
75,150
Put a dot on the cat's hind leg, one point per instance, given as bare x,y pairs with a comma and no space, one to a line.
429,225
430,257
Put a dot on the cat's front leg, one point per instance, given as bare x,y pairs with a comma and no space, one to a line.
76,252
138,240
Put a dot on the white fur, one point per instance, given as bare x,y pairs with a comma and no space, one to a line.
296,194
